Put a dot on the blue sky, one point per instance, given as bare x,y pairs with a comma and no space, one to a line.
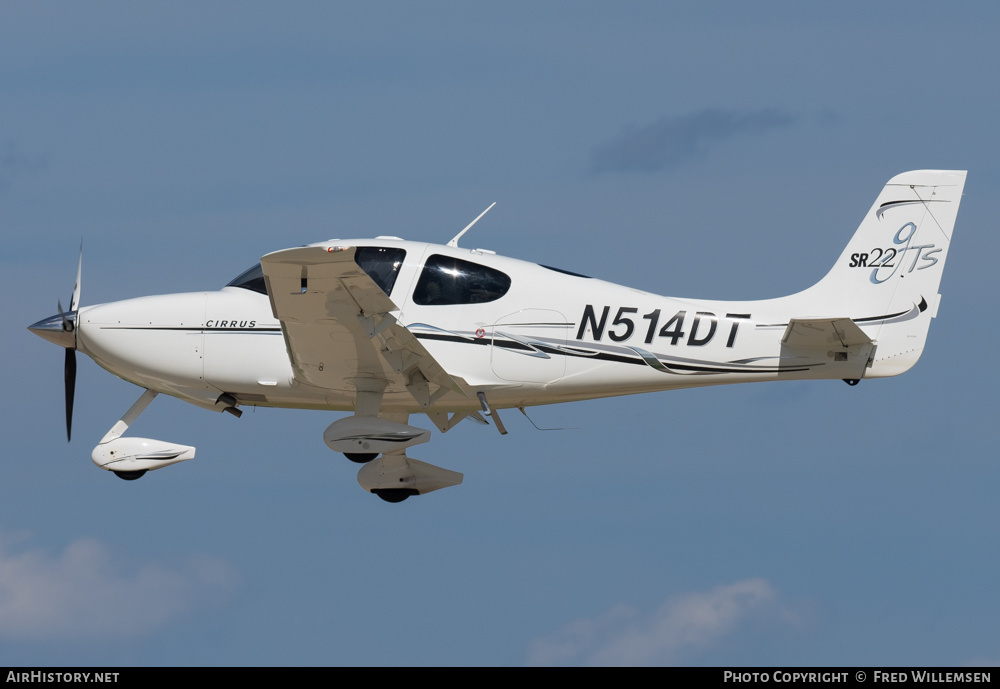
715,150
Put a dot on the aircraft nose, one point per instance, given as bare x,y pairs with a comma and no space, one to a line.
52,329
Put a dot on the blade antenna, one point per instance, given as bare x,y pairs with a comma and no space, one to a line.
454,241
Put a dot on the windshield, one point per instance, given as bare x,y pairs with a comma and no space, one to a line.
251,279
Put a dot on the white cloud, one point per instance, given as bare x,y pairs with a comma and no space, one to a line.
87,591
625,636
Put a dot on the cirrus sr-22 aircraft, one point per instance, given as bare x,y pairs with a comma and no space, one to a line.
387,328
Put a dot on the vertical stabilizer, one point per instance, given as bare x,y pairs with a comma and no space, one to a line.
887,278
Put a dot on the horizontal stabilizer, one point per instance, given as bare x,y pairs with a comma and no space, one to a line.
823,333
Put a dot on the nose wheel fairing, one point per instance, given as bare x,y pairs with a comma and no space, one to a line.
130,458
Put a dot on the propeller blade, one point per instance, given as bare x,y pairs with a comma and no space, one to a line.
69,375
74,302
67,326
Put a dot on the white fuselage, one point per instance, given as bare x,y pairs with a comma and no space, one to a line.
552,337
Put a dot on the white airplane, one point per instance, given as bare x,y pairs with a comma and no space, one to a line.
387,328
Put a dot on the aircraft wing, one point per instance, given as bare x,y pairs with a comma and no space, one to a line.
340,332
822,333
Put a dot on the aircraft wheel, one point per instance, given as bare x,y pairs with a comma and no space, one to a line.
394,494
130,475
361,457
851,381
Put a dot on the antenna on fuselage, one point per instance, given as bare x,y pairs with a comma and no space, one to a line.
454,242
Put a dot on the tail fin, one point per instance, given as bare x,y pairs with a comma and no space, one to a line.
887,279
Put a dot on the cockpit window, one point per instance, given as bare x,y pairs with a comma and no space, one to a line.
382,264
251,279
446,280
